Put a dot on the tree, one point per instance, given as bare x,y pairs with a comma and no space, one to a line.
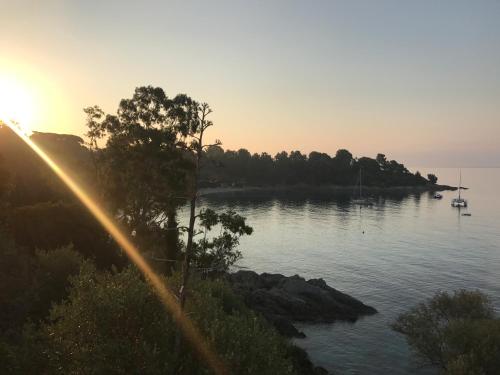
432,178
298,167
218,253
194,131
320,167
381,160
372,174
153,157
238,168
444,330
146,171
343,158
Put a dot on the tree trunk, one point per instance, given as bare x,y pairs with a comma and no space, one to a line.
172,242
186,269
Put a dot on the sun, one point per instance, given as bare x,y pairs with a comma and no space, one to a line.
17,103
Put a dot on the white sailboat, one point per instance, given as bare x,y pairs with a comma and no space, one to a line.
459,202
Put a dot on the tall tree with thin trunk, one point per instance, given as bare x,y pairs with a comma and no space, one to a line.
195,133
143,168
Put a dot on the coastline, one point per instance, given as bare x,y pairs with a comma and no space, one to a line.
285,300
323,189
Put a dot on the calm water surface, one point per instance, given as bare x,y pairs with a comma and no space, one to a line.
391,256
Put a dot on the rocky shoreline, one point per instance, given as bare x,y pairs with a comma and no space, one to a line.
324,189
284,300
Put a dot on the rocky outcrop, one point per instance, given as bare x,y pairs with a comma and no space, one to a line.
283,300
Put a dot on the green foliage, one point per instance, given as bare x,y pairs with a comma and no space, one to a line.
16,278
144,170
245,341
53,268
219,252
475,346
449,331
29,284
113,323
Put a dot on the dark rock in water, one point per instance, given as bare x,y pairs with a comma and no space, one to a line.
283,300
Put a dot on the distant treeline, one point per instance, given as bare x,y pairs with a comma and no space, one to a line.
240,168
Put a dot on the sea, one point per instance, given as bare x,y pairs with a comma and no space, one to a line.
392,256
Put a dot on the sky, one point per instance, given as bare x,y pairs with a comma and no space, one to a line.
416,80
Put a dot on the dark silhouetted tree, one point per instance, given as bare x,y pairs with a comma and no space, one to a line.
432,178
146,171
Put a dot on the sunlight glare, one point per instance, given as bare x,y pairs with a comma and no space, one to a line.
169,300
17,103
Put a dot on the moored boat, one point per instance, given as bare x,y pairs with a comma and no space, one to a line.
459,201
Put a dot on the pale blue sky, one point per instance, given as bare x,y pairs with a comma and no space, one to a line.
419,80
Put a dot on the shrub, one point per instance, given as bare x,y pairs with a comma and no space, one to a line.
30,284
456,332
474,347
113,323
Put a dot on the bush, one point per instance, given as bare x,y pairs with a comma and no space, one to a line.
51,273
113,323
456,332
30,284
16,277
475,347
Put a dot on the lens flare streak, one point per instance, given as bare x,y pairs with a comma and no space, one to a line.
190,332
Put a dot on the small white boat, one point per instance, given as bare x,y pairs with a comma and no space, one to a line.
459,202
438,196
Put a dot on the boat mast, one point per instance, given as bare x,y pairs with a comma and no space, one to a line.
460,184
360,183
